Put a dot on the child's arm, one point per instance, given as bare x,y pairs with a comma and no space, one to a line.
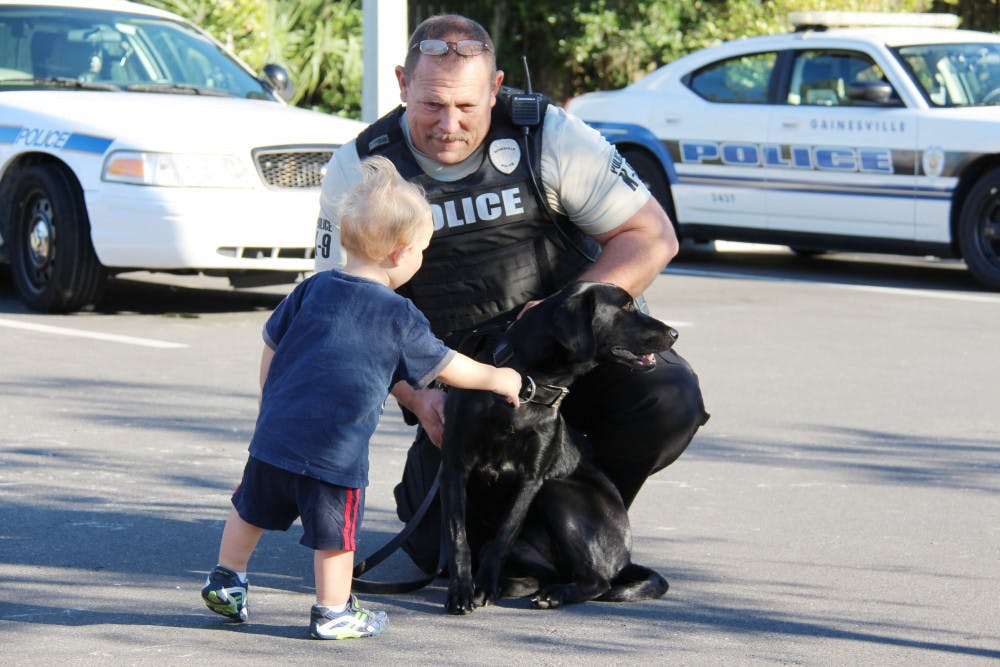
265,366
466,373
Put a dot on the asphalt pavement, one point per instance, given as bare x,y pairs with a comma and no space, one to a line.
842,505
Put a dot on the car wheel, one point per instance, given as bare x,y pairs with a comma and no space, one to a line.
53,263
979,229
651,172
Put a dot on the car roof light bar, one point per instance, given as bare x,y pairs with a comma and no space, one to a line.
833,19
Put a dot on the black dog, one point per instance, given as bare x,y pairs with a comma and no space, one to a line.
516,491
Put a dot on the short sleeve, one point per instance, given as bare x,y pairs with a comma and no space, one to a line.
279,321
423,355
585,177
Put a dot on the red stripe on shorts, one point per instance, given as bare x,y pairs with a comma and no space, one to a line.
350,519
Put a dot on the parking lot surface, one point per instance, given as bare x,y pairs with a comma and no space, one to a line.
842,505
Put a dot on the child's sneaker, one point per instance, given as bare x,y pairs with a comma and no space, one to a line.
225,594
353,622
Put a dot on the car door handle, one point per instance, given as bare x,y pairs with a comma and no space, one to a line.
790,124
672,119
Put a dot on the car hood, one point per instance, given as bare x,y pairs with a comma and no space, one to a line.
580,104
174,123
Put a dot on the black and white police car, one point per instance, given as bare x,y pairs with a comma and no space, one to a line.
130,139
857,131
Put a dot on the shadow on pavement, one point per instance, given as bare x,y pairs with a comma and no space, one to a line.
971,464
162,294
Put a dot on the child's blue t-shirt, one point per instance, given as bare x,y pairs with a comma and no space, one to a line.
341,342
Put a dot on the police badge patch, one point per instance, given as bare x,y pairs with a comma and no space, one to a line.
933,161
505,155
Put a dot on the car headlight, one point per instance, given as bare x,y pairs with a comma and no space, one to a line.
178,170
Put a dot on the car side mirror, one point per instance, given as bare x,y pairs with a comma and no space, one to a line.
276,78
873,92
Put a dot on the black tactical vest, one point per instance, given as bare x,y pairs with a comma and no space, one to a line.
494,247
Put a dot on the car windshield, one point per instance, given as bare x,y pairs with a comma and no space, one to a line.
955,75
102,50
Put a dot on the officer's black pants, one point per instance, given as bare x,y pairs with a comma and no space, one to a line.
637,423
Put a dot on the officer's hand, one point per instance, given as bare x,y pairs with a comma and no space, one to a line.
428,406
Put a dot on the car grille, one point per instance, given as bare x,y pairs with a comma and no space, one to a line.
292,167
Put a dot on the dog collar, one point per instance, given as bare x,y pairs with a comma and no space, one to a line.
549,395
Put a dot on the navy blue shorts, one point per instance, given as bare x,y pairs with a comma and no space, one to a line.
272,498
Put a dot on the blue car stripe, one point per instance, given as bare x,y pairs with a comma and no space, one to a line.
53,139
8,133
87,143
904,191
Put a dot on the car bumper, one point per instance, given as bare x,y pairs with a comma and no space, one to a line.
203,228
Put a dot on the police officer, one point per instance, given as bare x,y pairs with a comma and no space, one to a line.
525,197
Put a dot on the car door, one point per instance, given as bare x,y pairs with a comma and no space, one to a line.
714,141
841,152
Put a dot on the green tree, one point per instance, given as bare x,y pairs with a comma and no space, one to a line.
317,41
575,46
975,14
572,46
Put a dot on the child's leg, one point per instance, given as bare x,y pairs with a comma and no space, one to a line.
239,539
337,614
225,592
334,570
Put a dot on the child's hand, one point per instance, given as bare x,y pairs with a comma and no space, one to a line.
508,385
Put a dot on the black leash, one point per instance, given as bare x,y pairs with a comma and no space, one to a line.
550,396
366,564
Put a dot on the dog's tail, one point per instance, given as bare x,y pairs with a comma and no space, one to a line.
635,582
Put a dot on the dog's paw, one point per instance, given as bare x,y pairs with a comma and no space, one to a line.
482,598
549,597
461,598
487,583
545,602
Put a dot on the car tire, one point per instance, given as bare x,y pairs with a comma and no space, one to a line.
651,172
979,229
53,263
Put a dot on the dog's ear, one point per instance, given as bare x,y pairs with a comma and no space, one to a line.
573,323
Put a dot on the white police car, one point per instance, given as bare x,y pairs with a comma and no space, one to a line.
130,139
882,139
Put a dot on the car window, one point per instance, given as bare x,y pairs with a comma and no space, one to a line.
128,51
740,80
837,78
955,75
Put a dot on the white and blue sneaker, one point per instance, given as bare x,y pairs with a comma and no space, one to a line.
352,623
225,593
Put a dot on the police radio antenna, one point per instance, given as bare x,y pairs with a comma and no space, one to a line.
527,74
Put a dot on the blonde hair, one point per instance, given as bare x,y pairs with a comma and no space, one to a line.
382,212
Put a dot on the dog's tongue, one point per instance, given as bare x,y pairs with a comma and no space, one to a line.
641,361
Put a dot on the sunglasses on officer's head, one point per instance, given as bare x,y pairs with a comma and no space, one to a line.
439,47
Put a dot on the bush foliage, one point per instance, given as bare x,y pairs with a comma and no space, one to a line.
572,46
318,41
